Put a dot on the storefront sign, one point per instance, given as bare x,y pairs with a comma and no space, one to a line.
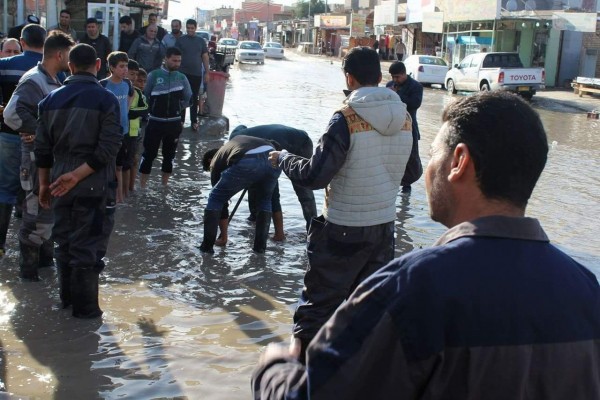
579,22
471,10
330,21
384,14
415,10
357,26
433,22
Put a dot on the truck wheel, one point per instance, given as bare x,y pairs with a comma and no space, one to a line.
450,87
485,87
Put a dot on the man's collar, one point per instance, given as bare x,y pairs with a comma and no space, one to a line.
497,226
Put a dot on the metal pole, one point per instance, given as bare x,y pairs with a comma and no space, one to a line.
237,205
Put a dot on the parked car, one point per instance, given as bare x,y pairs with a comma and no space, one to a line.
426,69
229,42
249,51
204,35
274,50
495,71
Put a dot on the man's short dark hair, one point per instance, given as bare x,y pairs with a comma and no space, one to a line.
34,36
133,65
207,158
57,41
152,15
91,20
115,57
173,51
176,20
191,22
126,19
65,11
397,68
363,64
83,56
506,140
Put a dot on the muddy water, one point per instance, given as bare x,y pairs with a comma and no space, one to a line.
178,324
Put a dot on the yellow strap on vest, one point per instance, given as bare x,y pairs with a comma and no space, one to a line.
355,122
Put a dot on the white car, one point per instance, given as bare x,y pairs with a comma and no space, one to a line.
426,69
274,50
227,42
249,51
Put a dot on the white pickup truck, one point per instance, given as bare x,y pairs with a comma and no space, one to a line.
494,71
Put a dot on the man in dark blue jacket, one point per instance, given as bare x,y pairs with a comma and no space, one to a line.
491,311
411,94
78,136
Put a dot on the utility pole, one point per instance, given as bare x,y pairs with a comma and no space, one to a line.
309,21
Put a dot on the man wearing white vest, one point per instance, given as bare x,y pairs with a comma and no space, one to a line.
360,162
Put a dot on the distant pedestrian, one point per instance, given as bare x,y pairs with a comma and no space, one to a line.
411,94
36,248
195,66
148,50
137,110
80,144
168,93
128,34
99,42
64,25
400,50
170,38
153,20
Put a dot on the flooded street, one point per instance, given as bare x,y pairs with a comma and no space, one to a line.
180,324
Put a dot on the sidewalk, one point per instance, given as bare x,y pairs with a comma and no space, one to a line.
564,97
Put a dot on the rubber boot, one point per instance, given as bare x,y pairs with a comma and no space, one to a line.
64,281
263,222
5,212
46,254
84,292
28,262
211,225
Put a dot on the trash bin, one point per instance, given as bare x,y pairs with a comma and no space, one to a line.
215,92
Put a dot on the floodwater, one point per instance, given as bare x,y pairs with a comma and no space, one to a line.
179,324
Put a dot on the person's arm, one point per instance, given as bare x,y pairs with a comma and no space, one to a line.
328,158
21,112
187,91
132,53
43,158
205,61
412,96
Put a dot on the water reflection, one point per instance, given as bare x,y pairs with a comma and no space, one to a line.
178,323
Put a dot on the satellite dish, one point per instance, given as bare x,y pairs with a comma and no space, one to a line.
511,5
530,5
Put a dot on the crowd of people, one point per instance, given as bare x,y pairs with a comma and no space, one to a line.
492,310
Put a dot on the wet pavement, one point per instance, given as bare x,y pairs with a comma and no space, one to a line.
179,324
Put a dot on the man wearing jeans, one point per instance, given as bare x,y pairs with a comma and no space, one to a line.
240,163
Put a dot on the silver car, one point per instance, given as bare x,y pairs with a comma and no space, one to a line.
274,50
249,51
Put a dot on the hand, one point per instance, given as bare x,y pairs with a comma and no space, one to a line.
274,158
63,184
26,137
274,351
44,196
206,76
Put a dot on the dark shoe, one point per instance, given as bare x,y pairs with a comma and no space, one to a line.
64,280
46,254
28,262
5,212
211,226
84,293
263,222
406,189
251,218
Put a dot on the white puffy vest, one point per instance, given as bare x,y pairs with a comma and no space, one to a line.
363,192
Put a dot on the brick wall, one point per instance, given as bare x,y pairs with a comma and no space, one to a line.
592,41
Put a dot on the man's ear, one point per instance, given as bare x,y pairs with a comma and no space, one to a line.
460,163
98,64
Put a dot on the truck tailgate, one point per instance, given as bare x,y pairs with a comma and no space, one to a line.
523,76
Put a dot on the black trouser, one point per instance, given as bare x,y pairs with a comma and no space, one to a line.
339,258
195,83
414,169
157,132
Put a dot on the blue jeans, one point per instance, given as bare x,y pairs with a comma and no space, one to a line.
10,163
253,170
